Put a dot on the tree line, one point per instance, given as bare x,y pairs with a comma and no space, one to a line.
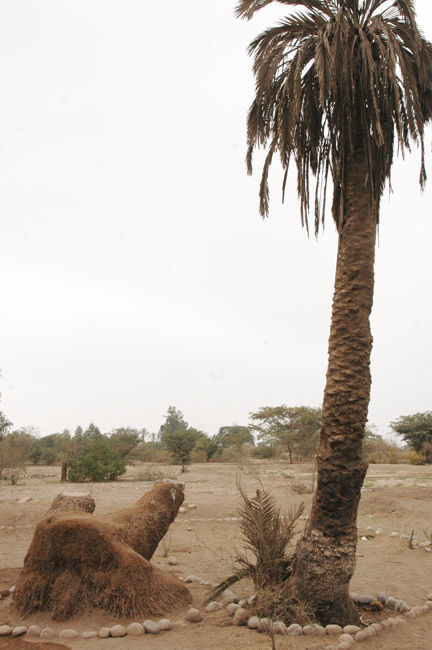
273,432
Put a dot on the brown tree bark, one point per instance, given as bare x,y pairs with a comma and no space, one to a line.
64,469
324,559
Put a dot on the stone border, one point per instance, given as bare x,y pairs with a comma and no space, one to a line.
236,608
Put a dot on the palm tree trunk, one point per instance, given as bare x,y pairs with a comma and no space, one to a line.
324,560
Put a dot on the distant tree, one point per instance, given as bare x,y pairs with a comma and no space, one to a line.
174,421
124,441
234,436
78,434
209,446
295,429
180,444
4,425
415,430
92,432
97,462
12,458
25,440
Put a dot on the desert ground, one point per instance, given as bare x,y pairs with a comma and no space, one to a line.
395,499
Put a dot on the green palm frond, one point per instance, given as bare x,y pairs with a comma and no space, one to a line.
266,537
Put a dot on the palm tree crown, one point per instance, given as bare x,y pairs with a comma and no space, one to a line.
338,78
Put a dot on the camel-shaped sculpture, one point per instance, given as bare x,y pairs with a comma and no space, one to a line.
76,560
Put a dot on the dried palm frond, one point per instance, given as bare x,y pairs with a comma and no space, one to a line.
333,78
266,535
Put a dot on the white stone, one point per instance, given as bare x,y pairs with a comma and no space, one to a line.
351,629
240,616
366,599
192,506
232,608
89,635
230,594
151,627
213,606
333,629
253,622
173,561
104,633
5,630
347,638
135,629
19,630
34,630
165,624
394,534
361,636
279,627
314,630
47,633
118,631
68,634
390,602
193,615
264,625
295,630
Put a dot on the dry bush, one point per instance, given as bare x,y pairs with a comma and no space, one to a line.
416,458
266,557
149,474
380,451
300,487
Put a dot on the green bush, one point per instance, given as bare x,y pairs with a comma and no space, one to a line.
97,462
180,444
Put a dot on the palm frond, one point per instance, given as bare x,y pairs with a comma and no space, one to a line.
335,80
266,558
225,584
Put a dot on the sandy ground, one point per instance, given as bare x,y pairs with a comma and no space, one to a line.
396,498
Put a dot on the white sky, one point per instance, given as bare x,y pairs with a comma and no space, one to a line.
135,270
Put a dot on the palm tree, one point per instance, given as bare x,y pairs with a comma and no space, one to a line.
339,84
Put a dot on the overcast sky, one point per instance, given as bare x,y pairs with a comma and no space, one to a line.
136,272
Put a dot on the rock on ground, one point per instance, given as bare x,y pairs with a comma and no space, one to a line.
82,501
193,615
